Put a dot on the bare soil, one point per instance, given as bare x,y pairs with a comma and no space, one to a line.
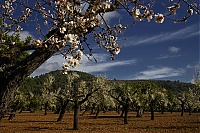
27,122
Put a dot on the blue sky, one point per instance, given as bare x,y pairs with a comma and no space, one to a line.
165,51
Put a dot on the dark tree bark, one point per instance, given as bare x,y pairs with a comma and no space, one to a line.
172,109
76,115
57,111
139,111
93,109
14,110
162,109
97,113
123,110
126,109
21,110
12,77
190,110
86,109
62,112
182,108
118,109
46,107
152,109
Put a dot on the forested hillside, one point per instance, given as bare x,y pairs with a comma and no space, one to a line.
34,84
174,86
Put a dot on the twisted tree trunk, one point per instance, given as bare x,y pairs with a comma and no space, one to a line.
14,110
63,110
123,110
126,109
139,111
13,77
97,113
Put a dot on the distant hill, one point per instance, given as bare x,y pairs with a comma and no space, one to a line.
34,84
174,86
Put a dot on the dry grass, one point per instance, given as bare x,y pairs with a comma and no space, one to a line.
107,122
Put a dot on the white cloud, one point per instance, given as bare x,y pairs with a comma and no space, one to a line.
159,72
110,15
23,34
45,68
190,66
52,64
104,64
167,56
187,32
174,49
195,66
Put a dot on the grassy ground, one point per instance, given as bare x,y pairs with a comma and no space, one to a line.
107,122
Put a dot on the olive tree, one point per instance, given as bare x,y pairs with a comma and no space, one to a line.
64,26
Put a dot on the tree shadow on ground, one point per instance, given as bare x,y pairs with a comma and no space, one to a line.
108,116
40,129
36,121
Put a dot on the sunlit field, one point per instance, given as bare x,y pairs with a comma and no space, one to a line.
107,122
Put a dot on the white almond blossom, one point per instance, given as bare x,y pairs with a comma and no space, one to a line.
159,18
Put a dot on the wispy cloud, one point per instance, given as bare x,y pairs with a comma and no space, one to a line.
193,66
187,32
167,56
174,49
104,64
159,72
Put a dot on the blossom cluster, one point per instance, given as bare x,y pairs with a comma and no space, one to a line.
148,14
70,21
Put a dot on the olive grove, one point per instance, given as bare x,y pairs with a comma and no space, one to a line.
63,27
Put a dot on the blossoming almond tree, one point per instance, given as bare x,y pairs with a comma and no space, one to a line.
192,95
68,24
49,94
102,99
152,93
82,92
193,101
124,95
182,99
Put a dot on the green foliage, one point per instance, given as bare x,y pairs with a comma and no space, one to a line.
174,86
127,87
13,49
